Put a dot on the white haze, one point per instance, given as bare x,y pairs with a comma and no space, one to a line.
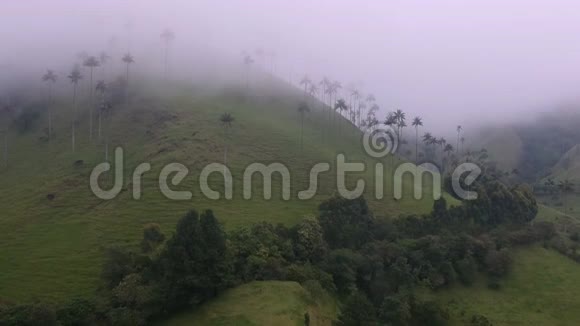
450,62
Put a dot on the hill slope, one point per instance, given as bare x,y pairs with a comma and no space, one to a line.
569,166
260,303
52,249
539,291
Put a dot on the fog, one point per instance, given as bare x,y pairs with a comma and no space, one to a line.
451,62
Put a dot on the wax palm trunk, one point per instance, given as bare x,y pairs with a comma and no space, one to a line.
91,107
74,117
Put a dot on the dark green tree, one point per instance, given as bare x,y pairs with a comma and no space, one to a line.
357,311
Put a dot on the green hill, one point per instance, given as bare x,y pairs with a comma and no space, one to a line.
261,303
540,290
53,229
569,166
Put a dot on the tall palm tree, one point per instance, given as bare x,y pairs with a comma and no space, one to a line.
355,96
313,90
325,84
226,120
459,128
305,82
391,120
81,58
361,108
335,86
462,143
92,63
417,122
370,100
128,60
50,78
400,118
106,109
303,109
401,125
167,37
340,106
103,59
427,139
248,62
448,149
101,89
441,142
74,77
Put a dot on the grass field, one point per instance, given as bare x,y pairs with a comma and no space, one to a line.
261,303
52,249
541,289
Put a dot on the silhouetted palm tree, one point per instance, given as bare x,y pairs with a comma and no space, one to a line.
167,37
335,86
400,118
103,59
106,110
361,108
248,62
340,106
305,82
459,128
101,88
74,77
325,84
303,109
226,120
355,103
391,120
448,149
92,63
50,78
128,60
417,122
313,90
441,142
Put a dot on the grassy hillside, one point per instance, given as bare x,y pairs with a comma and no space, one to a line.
569,166
52,249
541,290
261,303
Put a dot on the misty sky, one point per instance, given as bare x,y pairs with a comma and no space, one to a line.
481,58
